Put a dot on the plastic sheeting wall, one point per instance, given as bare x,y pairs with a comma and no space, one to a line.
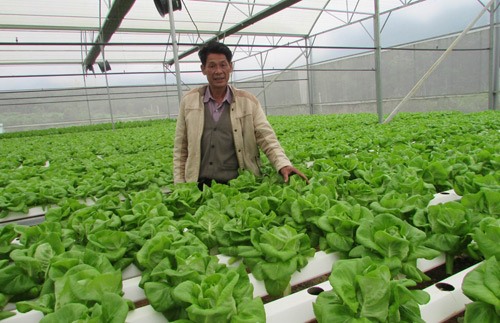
460,83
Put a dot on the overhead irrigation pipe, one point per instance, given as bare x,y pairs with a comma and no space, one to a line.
436,64
115,16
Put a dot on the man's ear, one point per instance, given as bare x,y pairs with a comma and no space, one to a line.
202,67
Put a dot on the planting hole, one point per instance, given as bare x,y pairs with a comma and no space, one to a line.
315,290
445,193
445,287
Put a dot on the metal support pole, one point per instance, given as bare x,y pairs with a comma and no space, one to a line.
176,50
107,88
493,59
439,60
83,75
166,90
105,71
261,63
310,85
87,97
378,77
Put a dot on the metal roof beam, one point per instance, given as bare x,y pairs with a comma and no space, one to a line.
137,30
240,26
113,20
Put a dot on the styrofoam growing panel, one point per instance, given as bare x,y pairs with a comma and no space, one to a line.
145,314
295,306
302,301
447,298
298,308
442,305
29,317
131,289
35,215
443,197
131,277
130,272
321,264
426,265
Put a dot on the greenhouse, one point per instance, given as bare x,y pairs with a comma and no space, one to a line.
373,194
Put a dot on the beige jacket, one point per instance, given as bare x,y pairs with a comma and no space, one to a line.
251,131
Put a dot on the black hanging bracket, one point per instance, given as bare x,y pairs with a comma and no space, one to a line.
163,7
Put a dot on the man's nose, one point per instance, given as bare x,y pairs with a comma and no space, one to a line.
218,69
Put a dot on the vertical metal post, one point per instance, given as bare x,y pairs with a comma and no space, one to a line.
166,90
263,82
493,59
310,85
378,77
101,41
107,87
176,50
83,74
87,97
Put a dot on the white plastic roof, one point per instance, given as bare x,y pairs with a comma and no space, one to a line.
38,35
56,31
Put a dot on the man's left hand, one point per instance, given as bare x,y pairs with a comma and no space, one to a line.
287,171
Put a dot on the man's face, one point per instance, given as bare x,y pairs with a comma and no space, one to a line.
217,70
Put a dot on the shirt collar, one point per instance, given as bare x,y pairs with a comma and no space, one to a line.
208,96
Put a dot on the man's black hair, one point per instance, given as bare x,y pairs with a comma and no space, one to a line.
214,47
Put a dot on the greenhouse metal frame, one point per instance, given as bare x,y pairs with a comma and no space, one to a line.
136,38
97,58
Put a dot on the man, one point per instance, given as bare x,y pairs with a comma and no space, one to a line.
220,128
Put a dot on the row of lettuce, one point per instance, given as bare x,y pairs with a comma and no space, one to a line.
370,187
95,162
